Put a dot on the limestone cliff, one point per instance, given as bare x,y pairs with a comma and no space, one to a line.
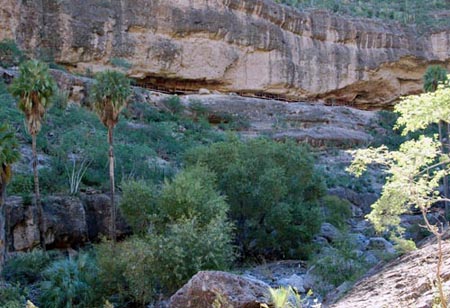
244,46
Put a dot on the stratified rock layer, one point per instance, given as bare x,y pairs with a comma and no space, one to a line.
248,46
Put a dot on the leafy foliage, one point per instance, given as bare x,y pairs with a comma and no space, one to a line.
273,192
138,205
195,237
192,195
68,283
336,211
12,296
110,94
34,87
411,182
340,263
26,268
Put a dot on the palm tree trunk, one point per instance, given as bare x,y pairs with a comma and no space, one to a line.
3,244
111,183
37,195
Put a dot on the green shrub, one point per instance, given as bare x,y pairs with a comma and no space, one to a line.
192,195
112,284
336,211
139,269
10,54
192,234
340,263
26,268
174,105
187,248
138,205
273,191
21,184
68,283
12,296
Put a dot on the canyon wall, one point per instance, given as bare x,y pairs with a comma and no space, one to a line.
243,46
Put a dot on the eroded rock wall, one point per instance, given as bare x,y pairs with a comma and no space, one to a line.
247,46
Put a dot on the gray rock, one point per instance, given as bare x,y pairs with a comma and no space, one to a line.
371,258
380,243
294,281
359,241
329,232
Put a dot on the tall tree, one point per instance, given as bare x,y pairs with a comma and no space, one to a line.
414,171
110,94
34,87
434,76
9,154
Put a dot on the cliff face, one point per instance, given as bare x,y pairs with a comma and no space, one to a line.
248,46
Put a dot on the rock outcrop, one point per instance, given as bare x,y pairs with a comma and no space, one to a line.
68,221
224,289
316,124
246,46
407,281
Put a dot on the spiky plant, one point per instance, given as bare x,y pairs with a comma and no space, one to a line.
110,94
34,88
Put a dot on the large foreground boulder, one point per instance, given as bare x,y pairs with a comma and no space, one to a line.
224,289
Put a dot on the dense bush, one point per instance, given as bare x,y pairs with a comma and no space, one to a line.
273,191
340,263
192,234
192,195
138,205
336,211
26,268
68,283
12,296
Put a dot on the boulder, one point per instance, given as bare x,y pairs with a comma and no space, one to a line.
294,281
226,289
380,243
330,232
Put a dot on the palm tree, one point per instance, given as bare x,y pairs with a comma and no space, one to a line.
433,77
110,94
34,87
9,154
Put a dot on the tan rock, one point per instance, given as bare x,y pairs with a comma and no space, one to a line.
226,289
